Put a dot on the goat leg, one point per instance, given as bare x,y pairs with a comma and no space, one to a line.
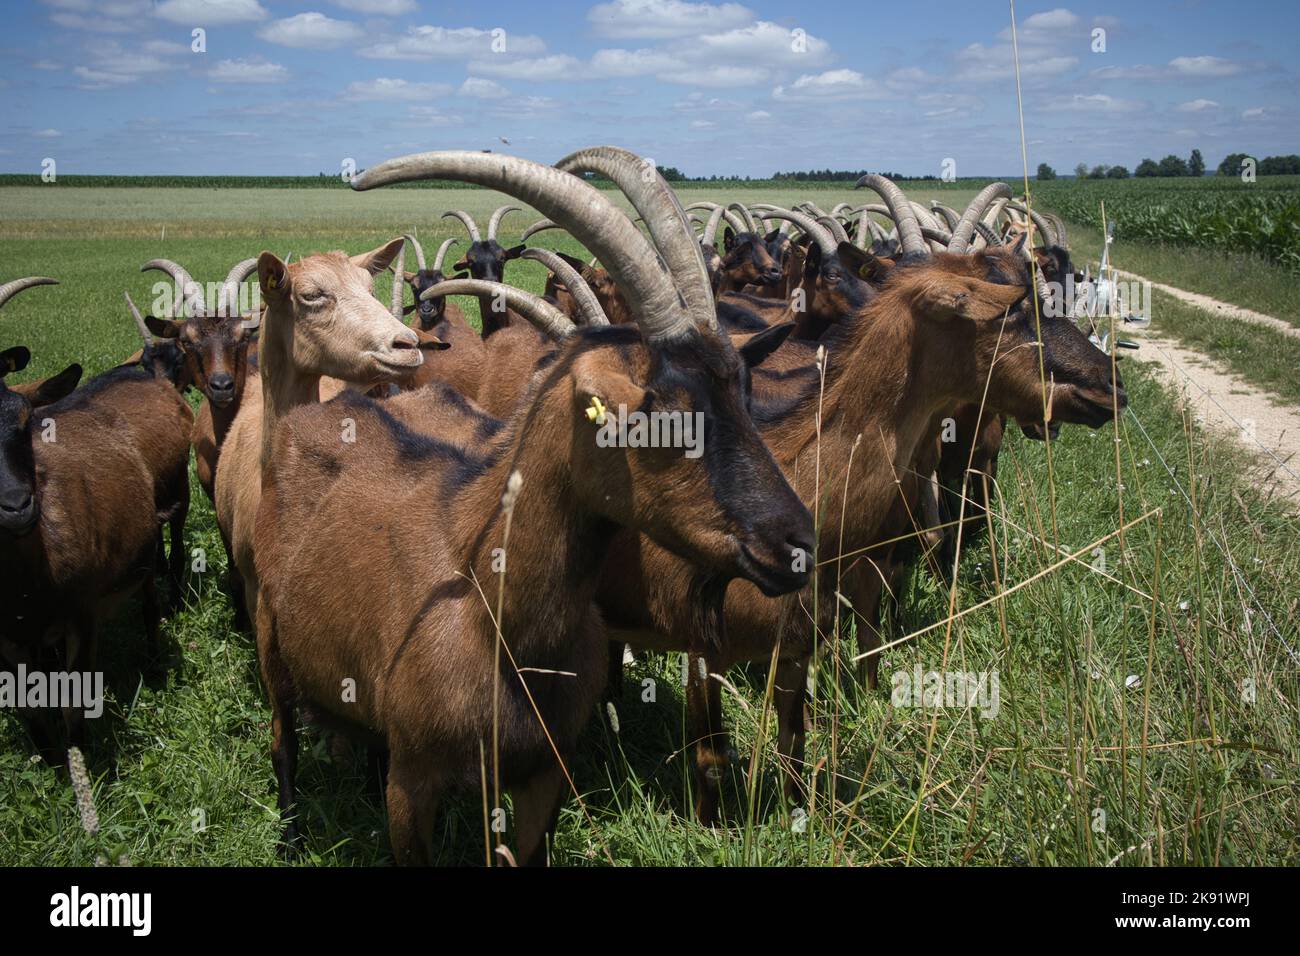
176,560
412,798
706,730
790,690
284,734
537,810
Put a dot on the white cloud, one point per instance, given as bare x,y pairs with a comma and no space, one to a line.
108,16
832,85
432,116
1138,72
979,63
386,88
112,65
1203,66
482,89
382,8
310,31
1043,28
662,19
703,124
758,116
719,76
1101,103
430,43
47,134
251,70
205,13
558,67
1197,106
761,42
610,63
1255,112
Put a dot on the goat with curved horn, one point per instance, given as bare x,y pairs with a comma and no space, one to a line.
947,212
900,210
965,228
835,227
816,231
1040,222
145,335
592,219
12,288
414,243
441,255
588,305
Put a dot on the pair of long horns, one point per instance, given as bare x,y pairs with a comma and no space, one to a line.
11,289
189,298
472,227
419,251
664,278
815,229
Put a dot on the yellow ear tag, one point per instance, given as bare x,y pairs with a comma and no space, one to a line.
270,282
596,413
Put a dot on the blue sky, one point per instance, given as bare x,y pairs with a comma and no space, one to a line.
114,86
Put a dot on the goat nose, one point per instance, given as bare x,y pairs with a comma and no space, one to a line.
222,382
405,339
16,503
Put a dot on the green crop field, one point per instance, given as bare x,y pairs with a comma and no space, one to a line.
1220,213
1149,689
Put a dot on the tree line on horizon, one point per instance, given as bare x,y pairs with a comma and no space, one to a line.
1173,165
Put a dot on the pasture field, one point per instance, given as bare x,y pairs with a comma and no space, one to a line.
1135,596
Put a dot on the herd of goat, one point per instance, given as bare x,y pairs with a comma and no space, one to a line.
432,549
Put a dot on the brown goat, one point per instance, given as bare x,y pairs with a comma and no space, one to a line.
925,343
78,521
319,319
421,651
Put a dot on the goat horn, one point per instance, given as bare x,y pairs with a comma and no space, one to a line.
188,292
139,321
581,209
588,304
835,226
399,279
839,208
419,250
467,220
537,227
745,214
497,216
442,253
936,234
1044,227
900,210
988,235
670,232
11,289
948,213
965,228
711,227
819,233
535,309
813,208
228,297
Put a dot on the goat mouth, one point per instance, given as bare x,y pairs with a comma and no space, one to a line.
398,360
1093,407
19,524
773,579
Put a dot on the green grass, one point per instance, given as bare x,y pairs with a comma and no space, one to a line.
1215,783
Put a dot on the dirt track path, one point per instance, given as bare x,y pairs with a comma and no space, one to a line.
1223,402
1215,307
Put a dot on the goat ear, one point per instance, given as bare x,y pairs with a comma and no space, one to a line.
967,298
462,266
433,345
514,252
14,360
594,378
755,348
772,236
728,239
55,387
1019,245
163,328
579,266
863,264
377,260
273,277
